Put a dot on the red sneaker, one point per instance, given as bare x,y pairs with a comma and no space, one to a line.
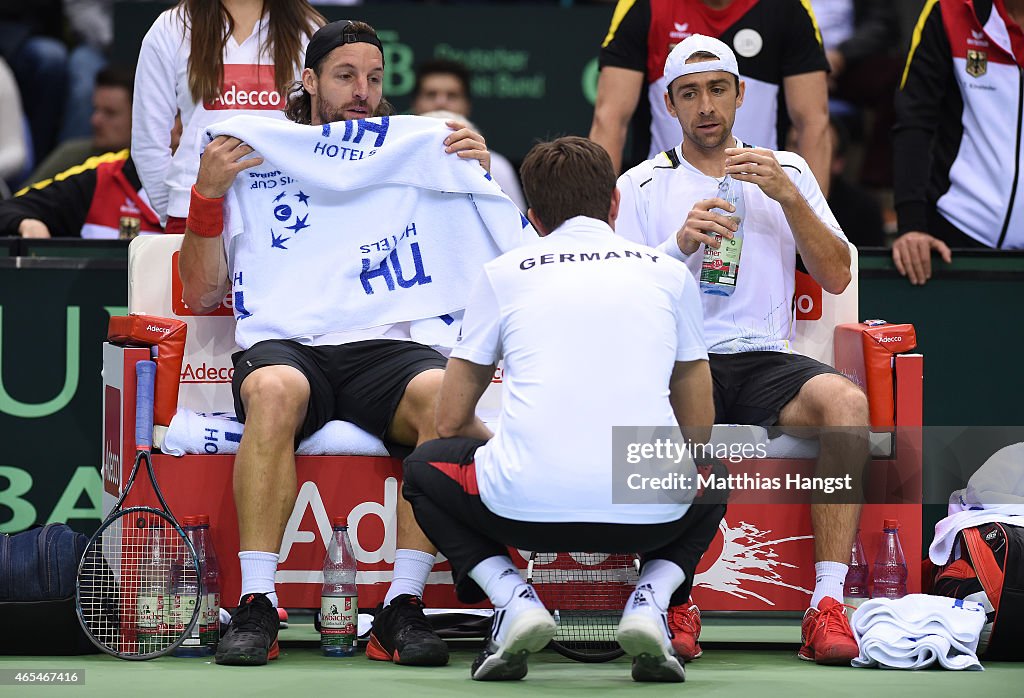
826,634
684,622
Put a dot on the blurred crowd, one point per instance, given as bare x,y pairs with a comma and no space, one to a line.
63,103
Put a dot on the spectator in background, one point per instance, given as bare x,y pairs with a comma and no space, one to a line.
111,125
780,57
91,24
13,141
29,42
237,60
443,86
102,198
860,38
957,140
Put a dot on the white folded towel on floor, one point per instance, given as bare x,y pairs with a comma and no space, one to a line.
918,630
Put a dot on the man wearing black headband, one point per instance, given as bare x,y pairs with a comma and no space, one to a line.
283,390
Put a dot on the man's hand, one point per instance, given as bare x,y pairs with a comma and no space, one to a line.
702,224
912,255
759,166
33,228
220,163
467,143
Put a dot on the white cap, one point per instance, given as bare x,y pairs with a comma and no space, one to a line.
676,65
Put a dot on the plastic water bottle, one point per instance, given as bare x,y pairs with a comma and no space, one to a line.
855,590
889,578
339,608
720,267
209,631
154,591
183,597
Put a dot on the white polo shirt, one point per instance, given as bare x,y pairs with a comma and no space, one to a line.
590,327
758,316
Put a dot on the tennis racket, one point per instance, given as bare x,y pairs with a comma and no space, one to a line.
137,592
586,593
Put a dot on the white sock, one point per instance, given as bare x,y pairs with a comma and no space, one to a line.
412,567
498,577
664,578
258,570
829,578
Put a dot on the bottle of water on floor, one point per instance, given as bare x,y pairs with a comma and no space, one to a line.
183,597
339,608
720,268
154,572
889,577
855,590
209,632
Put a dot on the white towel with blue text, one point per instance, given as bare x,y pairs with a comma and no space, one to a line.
918,630
357,224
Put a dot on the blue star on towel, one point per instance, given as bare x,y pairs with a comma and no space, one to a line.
278,241
280,196
303,197
300,223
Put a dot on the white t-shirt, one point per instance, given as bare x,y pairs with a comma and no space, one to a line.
590,327
161,89
758,316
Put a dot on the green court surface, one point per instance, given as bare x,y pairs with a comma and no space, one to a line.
303,672
748,658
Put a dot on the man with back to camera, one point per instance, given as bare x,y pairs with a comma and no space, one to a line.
595,332
285,390
670,201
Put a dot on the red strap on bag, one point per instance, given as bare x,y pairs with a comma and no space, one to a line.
985,566
168,336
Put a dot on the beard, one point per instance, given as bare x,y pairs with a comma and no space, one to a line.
329,113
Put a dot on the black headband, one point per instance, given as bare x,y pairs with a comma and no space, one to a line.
331,36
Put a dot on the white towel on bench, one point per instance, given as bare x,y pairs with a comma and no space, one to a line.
194,433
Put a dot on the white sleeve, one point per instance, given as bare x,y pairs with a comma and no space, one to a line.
690,322
153,108
480,338
631,223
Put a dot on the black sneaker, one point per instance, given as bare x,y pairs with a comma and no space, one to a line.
251,638
402,634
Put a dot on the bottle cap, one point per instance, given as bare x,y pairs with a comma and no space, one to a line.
891,524
202,519
340,522
188,521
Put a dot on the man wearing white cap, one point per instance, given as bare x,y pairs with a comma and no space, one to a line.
780,56
671,202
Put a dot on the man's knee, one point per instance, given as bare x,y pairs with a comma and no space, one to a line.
848,406
422,391
276,395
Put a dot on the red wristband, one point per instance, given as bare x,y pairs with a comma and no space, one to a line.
205,216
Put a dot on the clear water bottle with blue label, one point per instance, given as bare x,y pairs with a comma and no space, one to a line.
339,607
721,267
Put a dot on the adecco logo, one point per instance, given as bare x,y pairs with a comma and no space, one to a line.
247,87
890,340
159,330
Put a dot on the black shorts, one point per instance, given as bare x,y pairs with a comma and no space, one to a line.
359,382
752,387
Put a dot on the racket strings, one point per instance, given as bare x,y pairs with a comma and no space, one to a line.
587,599
138,586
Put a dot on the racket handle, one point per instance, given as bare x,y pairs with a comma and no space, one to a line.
145,373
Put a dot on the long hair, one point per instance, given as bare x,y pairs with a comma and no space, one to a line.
211,25
299,106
